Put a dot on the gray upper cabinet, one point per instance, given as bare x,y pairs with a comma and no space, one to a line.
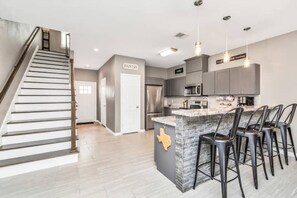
194,78
199,63
222,82
208,83
175,86
245,81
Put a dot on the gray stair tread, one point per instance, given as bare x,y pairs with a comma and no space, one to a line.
39,120
48,77
45,72
32,158
63,69
34,131
45,88
42,95
41,102
40,111
34,143
47,56
51,52
26,81
55,61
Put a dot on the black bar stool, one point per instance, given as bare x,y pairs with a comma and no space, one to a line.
285,129
269,134
223,143
252,134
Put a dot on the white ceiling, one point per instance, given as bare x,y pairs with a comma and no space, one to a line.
140,28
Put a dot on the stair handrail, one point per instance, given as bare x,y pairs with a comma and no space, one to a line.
19,62
73,101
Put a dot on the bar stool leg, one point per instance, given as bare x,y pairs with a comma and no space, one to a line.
269,141
238,146
283,129
292,142
237,170
223,168
277,150
262,157
253,151
213,155
245,150
197,162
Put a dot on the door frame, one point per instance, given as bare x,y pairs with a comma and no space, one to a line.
121,102
101,107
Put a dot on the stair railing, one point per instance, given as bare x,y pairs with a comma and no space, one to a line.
73,101
20,60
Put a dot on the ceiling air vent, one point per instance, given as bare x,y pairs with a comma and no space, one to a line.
181,35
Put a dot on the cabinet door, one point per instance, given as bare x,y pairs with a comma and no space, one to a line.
250,80
194,78
208,83
193,65
236,80
179,86
168,87
222,82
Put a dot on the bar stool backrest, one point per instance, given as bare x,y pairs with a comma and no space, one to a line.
290,115
274,114
262,112
236,118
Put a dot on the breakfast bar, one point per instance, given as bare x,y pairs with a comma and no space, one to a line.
176,141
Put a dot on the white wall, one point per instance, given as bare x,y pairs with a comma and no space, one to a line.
277,57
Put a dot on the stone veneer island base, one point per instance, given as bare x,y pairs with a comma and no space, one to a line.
188,125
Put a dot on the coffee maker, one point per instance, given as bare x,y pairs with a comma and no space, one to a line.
245,101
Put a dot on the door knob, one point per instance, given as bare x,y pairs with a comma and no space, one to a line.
137,107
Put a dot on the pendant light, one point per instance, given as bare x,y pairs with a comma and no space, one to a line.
247,60
198,47
226,54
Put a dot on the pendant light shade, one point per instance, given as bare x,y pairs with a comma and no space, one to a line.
198,46
247,61
226,54
226,57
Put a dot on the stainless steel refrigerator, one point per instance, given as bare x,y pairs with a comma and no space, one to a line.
154,104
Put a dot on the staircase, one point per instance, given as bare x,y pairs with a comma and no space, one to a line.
38,133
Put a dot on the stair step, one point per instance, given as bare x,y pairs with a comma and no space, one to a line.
50,65
38,120
37,88
50,60
43,98
51,70
37,157
45,85
40,55
47,80
40,114
36,106
26,132
34,143
62,69
36,162
51,52
47,72
47,77
45,91
40,82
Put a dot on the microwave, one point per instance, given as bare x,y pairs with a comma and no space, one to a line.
193,90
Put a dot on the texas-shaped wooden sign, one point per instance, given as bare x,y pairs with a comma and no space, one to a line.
164,139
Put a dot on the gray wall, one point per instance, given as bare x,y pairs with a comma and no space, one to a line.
12,39
155,72
277,57
55,41
86,75
108,71
171,74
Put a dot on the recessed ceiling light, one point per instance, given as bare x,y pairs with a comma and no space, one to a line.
96,49
87,65
168,51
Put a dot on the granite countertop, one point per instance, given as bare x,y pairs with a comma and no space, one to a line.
167,120
209,112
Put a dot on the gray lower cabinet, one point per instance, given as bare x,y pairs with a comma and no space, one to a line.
222,82
245,80
208,83
175,86
194,78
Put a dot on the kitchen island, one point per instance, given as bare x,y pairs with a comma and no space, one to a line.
182,131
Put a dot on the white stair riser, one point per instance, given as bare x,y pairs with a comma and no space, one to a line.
49,62
51,66
13,153
48,75
37,107
51,55
9,171
50,58
49,70
37,125
36,79
35,137
25,116
44,92
44,98
45,85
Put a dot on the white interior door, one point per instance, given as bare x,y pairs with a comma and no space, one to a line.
86,98
130,103
103,101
